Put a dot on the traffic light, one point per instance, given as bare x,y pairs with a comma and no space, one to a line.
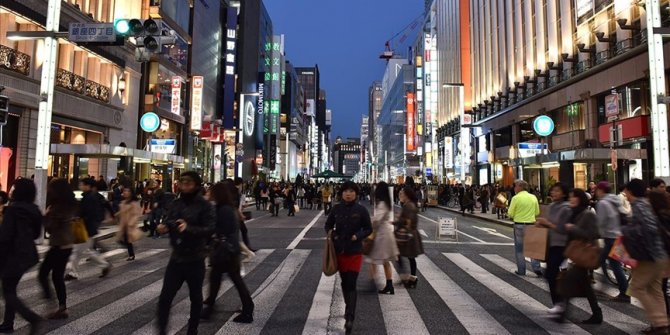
149,34
122,27
4,110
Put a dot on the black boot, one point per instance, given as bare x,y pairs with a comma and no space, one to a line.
388,289
595,319
350,311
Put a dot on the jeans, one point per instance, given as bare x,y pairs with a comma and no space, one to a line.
193,273
82,249
13,304
645,285
519,229
233,270
554,259
615,265
55,262
291,209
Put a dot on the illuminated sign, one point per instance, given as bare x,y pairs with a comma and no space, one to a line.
411,125
176,94
249,113
543,125
448,152
163,146
531,149
150,122
229,75
196,102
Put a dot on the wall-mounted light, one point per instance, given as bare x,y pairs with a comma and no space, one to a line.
582,48
567,58
624,26
527,80
551,66
122,84
601,37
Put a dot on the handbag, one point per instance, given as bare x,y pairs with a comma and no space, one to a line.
402,234
222,251
368,244
620,254
329,266
79,230
583,254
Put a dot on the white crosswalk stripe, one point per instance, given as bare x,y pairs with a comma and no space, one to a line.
521,301
618,320
400,315
324,306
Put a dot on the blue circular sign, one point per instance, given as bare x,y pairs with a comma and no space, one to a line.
543,125
150,122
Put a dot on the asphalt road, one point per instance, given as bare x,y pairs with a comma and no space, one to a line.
466,285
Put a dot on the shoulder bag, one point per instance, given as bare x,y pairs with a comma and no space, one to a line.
79,230
583,254
329,266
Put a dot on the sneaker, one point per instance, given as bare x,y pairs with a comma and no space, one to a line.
518,273
244,318
69,277
557,309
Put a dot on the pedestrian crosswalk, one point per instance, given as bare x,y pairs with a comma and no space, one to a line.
475,293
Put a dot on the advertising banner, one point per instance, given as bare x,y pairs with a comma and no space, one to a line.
229,75
448,152
260,108
196,102
411,122
176,95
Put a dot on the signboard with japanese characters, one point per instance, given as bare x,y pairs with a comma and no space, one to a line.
91,32
163,145
447,227
612,106
531,149
196,102
176,95
229,73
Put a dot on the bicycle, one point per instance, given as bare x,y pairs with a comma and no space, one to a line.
453,203
609,274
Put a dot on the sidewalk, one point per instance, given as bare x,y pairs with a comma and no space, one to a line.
486,217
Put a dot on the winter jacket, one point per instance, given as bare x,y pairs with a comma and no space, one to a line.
348,219
228,226
58,224
409,220
607,209
21,226
559,215
129,215
586,228
191,244
92,212
644,216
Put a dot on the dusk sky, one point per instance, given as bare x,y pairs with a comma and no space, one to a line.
345,38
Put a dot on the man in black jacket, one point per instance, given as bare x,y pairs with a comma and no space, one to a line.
190,221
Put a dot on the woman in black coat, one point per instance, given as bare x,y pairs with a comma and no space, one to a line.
21,226
351,224
407,235
225,256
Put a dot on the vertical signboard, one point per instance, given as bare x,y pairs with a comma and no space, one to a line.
448,152
411,122
260,110
229,74
196,102
176,95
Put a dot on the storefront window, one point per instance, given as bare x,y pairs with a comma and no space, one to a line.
526,132
161,87
503,137
569,118
633,101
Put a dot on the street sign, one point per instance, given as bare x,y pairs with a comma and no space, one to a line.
163,145
447,227
92,32
150,122
613,159
612,106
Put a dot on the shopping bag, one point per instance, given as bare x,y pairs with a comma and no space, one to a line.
296,208
79,230
329,266
535,242
583,254
619,253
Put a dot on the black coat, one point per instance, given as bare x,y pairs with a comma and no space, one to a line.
228,226
190,245
92,211
349,219
21,226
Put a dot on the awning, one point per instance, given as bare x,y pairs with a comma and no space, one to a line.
109,151
581,155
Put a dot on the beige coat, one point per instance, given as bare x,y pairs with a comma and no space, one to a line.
128,217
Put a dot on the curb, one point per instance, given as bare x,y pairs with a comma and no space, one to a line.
496,221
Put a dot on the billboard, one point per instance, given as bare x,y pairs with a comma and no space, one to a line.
229,74
196,102
411,123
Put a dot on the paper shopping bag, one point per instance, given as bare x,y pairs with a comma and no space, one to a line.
535,242
619,253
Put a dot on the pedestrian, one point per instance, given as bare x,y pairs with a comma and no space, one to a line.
61,209
351,224
92,211
609,212
240,201
225,256
384,247
265,195
523,210
301,195
559,214
484,198
657,184
327,197
407,236
22,225
3,202
576,282
190,222
128,216
646,277
290,200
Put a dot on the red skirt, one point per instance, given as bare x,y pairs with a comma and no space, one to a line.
349,263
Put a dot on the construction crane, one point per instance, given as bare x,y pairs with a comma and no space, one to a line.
406,32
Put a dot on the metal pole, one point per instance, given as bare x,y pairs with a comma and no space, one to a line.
46,103
659,111
465,132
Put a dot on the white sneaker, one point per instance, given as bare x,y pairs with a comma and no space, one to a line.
557,309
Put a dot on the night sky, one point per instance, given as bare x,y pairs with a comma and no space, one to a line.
345,38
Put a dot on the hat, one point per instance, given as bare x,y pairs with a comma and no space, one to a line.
604,186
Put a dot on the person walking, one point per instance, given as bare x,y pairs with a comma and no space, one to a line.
92,211
647,276
275,200
523,210
576,282
290,200
350,224
484,198
558,217
21,226
129,214
190,223
384,247
61,210
265,195
407,235
327,197
225,255
608,208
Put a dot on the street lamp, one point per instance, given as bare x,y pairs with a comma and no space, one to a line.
465,132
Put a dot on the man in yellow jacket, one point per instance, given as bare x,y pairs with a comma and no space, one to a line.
523,210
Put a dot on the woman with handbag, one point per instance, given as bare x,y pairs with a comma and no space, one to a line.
383,248
61,209
225,256
349,224
644,243
559,215
407,235
128,215
582,240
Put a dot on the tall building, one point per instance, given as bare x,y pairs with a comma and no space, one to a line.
294,125
375,96
365,123
346,156
309,78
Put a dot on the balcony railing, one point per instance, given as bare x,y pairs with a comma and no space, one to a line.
14,60
79,84
603,56
567,74
583,66
624,45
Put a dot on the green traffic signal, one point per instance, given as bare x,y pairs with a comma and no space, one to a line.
121,26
